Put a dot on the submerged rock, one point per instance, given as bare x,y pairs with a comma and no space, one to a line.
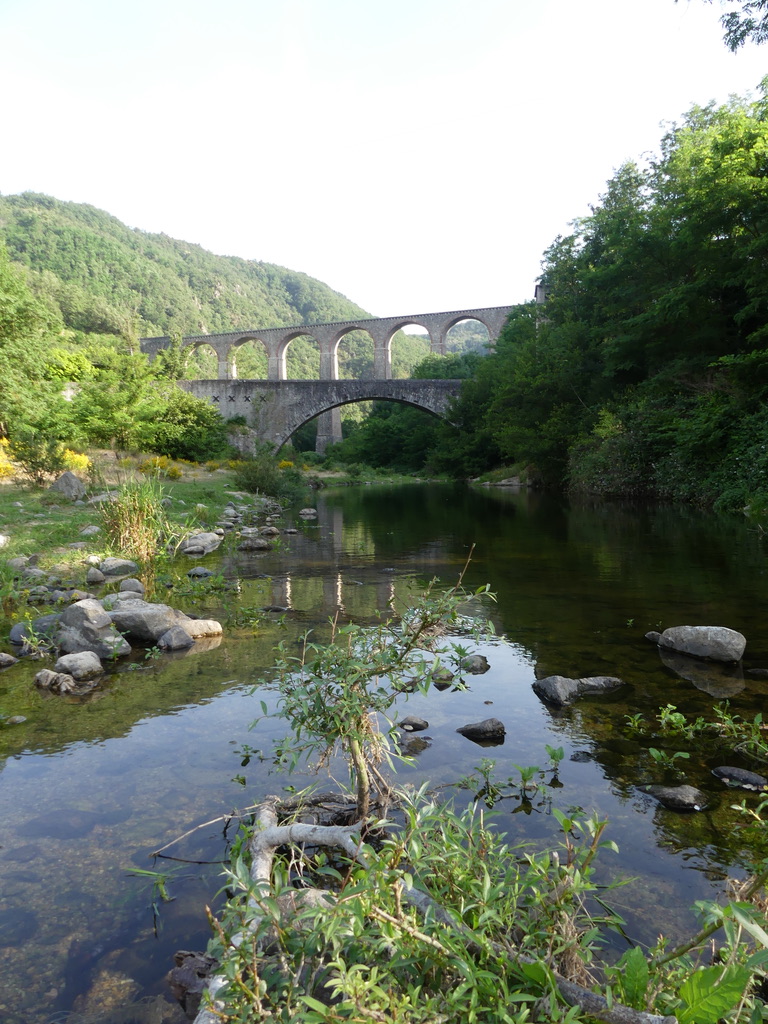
677,798
718,679
739,778
559,690
475,664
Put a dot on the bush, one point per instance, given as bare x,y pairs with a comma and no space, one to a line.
189,428
262,475
39,454
76,461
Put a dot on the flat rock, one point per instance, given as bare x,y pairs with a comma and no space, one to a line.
740,778
717,643
559,690
200,544
677,798
254,544
6,660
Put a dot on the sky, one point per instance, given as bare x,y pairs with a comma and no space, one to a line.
415,155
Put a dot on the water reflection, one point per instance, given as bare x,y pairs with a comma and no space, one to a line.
88,789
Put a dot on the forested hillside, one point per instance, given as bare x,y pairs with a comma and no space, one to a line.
108,278
101,277
78,289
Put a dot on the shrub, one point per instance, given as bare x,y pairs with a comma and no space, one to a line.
39,455
6,466
76,461
261,475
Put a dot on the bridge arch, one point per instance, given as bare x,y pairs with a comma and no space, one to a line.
234,355
274,410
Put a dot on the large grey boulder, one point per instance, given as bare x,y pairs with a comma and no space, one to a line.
69,486
560,690
200,544
148,622
86,626
139,619
718,643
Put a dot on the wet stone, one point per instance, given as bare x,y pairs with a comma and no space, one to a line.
17,925
740,778
677,798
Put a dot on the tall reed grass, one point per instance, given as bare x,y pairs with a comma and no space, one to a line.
136,522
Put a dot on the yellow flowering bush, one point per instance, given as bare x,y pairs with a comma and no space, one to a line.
6,466
160,465
76,461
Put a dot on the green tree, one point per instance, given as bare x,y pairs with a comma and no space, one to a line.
27,328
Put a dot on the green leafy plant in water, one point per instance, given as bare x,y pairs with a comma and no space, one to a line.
668,760
635,723
334,695
674,722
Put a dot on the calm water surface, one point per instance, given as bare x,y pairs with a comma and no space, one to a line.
89,788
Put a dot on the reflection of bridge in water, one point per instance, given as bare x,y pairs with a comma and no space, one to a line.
330,569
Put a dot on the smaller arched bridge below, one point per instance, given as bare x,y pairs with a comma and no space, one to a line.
276,409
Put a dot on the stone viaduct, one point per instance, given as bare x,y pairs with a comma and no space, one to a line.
275,408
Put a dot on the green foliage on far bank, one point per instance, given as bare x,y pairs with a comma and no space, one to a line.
646,371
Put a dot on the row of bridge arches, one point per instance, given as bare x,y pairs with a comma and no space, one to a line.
248,359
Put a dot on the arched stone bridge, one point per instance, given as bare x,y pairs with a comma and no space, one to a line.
275,409
329,336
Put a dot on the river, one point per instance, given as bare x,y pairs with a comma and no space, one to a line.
91,787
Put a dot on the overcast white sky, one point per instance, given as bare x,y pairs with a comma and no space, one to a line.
416,155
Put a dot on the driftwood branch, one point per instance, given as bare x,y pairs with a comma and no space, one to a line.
269,836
